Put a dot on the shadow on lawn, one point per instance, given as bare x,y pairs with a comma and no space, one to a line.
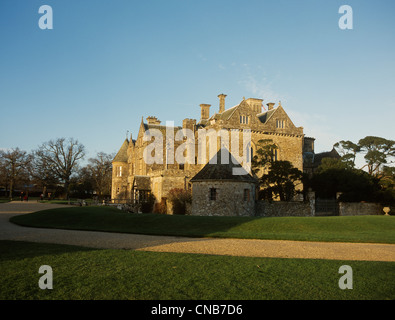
106,219
19,250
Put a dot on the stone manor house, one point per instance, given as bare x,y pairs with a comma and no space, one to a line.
215,190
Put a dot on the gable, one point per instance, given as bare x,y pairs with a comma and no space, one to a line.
220,169
278,120
238,115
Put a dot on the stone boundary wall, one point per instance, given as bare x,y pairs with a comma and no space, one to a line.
361,208
284,209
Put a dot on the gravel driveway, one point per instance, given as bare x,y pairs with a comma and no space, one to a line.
235,247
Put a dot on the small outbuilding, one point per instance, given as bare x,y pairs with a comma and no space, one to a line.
223,188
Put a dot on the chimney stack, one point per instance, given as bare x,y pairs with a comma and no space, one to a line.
221,102
189,124
153,120
270,105
255,104
205,111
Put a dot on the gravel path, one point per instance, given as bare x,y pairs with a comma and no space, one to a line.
235,247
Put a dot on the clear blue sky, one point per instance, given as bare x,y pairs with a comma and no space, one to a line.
105,64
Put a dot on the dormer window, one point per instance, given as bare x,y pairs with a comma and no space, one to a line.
244,119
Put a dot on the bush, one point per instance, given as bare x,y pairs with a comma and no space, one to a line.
179,198
148,205
160,207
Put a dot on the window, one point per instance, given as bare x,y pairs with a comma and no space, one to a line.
213,194
119,171
244,119
280,124
249,153
181,166
246,195
274,154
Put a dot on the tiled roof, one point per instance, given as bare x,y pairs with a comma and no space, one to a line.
158,126
142,183
122,155
316,159
329,154
265,116
227,113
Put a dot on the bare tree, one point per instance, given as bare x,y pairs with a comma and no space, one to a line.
40,173
4,174
14,167
61,158
101,172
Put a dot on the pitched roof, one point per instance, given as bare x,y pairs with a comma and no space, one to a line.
265,116
219,116
227,113
329,154
222,169
159,126
142,183
122,155
310,158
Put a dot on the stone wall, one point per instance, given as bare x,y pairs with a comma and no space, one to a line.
284,209
229,199
360,208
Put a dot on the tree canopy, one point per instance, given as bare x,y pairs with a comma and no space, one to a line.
14,167
374,181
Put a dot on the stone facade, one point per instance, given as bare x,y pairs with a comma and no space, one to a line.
230,199
269,123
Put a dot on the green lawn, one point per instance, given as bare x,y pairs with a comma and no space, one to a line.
378,229
82,274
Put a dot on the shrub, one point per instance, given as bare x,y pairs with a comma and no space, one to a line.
179,198
148,205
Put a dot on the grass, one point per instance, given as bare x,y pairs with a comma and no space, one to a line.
374,229
82,274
